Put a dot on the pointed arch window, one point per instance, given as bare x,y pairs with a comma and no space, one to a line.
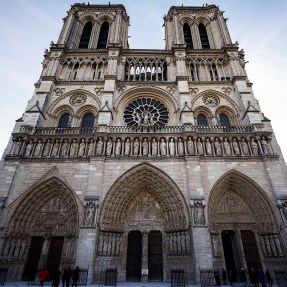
86,34
201,120
88,121
64,121
224,120
103,36
187,36
203,36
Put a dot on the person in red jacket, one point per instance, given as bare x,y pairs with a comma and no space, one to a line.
43,276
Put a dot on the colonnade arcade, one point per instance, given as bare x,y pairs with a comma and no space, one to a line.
144,227
42,230
243,225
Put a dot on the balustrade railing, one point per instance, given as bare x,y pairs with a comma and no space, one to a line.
142,129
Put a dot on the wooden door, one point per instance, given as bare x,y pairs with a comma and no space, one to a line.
31,267
250,249
155,262
134,256
54,255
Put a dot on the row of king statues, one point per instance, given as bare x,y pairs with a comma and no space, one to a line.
116,147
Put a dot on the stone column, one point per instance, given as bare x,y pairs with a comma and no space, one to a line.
144,276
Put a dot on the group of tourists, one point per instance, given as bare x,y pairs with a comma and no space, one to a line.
66,276
255,277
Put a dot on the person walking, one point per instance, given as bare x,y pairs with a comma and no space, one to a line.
76,277
261,277
268,278
66,277
43,276
56,279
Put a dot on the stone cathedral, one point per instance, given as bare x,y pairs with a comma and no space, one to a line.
143,161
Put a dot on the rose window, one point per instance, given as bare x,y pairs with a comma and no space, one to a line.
146,112
78,100
211,100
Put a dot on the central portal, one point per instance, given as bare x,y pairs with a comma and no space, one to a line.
139,249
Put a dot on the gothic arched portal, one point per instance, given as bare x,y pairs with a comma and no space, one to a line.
144,203
243,225
42,229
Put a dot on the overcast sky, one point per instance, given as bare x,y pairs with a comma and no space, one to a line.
28,26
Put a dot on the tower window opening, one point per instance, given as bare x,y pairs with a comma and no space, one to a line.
187,36
203,36
86,34
103,36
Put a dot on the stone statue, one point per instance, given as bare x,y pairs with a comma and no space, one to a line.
226,146
127,147
145,147
180,147
265,146
17,147
82,148
109,147
190,146
254,146
244,147
171,147
65,148
74,147
235,145
163,147
217,146
100,145
138,119
90,148
47,148
136,147
90,212
198,213
118,147
199,147
38,149
55,148
208,147
154,147
29,148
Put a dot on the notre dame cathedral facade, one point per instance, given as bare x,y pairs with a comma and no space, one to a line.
144,161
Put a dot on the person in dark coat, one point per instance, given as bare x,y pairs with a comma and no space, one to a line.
224,276
76,276
66,277
261,277
268,278
56,279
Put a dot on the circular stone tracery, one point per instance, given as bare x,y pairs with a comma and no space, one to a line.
211,100
146,112
78,100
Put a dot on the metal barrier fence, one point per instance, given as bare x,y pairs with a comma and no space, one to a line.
3,275
281,277
178,278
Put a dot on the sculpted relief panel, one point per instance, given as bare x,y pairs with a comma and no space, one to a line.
235,208
144,214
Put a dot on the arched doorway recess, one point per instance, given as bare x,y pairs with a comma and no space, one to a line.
243,226
42,230
144,204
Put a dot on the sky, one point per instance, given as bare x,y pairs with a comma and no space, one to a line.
28,26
